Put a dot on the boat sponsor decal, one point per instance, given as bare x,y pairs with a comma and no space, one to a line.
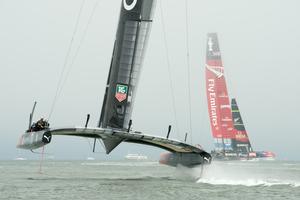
47,137
210,44
226,119
216,53
213,50
241,136
224,106
237,119
212,102
121,92
129,6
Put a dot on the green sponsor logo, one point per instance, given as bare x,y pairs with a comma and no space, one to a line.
121,92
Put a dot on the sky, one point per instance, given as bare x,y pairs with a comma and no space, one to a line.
259,42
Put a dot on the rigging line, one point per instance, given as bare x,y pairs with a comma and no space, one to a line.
79,46
169,69
66,59
188,69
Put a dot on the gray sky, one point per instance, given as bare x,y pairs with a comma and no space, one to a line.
259,41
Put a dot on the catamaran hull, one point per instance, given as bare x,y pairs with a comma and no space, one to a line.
186,159
34,140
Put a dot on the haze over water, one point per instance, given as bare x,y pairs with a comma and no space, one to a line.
148,180
260,44
260,51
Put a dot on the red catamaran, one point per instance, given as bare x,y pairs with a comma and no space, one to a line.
230,137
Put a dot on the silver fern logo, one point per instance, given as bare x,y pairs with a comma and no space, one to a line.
217,70
129,6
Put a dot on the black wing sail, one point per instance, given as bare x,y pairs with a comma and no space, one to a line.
242,140
129,50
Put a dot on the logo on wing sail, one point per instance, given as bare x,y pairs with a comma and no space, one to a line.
121,92
210,44
217,70
129,6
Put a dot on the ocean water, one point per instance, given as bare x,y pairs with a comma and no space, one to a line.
149,180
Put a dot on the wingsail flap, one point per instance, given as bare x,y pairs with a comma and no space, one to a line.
241,137
129,49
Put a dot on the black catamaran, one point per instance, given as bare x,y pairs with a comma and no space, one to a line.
115,120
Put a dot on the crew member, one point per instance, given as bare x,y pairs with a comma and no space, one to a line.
41,124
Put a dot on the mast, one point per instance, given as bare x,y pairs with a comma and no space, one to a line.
242,142
128,54
217,97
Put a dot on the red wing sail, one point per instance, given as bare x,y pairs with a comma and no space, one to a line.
217,97
228,130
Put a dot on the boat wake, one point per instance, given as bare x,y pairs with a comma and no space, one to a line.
249,182
245,174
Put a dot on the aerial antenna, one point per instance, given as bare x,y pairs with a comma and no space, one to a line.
31,115
185,137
